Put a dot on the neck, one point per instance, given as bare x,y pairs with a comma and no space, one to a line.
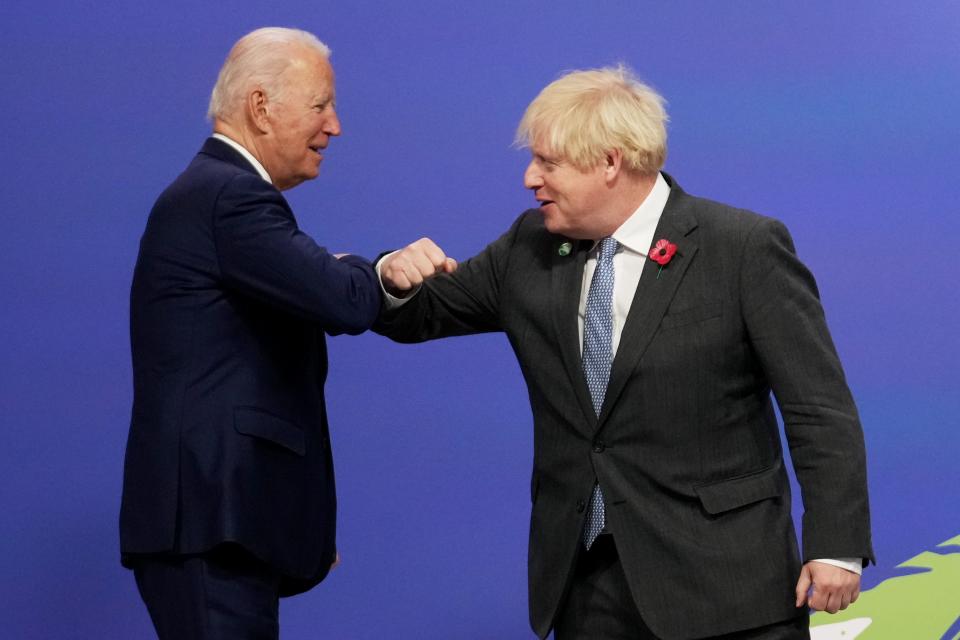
239,135
629,193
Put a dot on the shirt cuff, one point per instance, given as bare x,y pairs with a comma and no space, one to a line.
391,301
854,565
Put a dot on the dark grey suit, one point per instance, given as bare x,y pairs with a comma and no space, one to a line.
686,448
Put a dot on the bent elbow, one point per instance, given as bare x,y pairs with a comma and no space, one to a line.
364,307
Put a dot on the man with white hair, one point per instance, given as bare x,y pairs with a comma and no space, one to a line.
228,492
651,327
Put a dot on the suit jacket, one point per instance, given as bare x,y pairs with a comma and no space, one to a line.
686,447
228,309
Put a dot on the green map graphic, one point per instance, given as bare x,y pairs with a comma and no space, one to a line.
919,606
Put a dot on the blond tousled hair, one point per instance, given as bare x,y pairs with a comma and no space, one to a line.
584,114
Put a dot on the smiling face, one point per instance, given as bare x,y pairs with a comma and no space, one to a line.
300,121
574,202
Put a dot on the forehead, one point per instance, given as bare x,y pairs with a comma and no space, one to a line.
310,74
540,147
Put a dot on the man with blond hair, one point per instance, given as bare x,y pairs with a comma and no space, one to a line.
651,327
228,492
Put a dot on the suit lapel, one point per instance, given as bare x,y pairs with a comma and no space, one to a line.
566,281
653,296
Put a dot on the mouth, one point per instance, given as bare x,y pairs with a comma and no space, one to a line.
541,197
317,149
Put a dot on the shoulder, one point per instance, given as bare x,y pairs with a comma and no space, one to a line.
215,171
529,224
209,190
210,178
712,218
217,164
528,236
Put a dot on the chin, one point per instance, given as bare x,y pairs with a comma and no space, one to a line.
573,234
554,227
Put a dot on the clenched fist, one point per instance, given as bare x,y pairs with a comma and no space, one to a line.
406,269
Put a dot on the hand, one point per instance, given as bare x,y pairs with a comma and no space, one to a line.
406,269
824,587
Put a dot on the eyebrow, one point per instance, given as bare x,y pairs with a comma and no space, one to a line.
547,158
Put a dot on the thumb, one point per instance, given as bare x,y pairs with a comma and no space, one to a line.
449,265
803,586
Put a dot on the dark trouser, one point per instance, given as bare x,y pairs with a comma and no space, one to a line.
599,605
224,594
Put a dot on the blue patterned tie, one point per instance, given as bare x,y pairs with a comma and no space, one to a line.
597,358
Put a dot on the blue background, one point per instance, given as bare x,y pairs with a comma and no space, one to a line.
839,118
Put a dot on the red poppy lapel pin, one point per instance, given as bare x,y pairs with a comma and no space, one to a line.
662,253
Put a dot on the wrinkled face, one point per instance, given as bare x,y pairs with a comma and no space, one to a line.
572,200
301,121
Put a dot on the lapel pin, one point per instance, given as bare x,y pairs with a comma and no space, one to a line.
662,253
564,249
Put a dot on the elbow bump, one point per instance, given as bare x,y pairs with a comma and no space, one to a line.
363,312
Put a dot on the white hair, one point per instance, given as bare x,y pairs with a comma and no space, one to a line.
258,59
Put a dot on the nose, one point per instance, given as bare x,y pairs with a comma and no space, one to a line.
331,126
532,179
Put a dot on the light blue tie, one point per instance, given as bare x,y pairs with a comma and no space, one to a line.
597,358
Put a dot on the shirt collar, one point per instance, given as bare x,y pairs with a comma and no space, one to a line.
636,232
246,154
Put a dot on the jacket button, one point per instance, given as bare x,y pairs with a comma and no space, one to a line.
581,506
599,446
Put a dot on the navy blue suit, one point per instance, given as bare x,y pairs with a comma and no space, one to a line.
228,310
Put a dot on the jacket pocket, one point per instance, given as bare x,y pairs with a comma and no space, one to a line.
724,495
690,315
251,421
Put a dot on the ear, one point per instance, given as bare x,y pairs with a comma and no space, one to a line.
612,164
258,111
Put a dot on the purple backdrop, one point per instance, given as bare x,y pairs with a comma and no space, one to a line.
838,118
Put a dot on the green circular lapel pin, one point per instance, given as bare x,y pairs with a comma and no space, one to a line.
564,249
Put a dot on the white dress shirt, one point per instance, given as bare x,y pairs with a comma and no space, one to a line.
634,237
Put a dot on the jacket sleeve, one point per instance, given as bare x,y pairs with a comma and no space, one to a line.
788,332
263,253
461,303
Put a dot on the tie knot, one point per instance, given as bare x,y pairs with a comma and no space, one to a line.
608,247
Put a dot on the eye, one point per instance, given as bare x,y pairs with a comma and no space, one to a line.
545,162
324,105
548,164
